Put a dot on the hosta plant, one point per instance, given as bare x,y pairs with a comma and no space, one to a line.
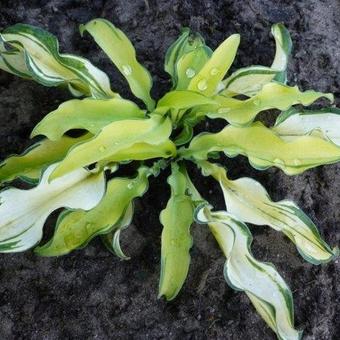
78,172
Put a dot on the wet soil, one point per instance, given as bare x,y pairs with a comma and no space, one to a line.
92,295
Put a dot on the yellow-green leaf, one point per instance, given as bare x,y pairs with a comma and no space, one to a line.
119,49
88,114
176,219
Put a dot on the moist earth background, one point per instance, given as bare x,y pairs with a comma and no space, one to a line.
90,294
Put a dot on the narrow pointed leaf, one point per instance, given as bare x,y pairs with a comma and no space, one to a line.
23,212
249,202
212,73
88,114
114,138
284,47
30,164
76,228
272,96
176,219
119,49
38,50
323,123
264,286
264,148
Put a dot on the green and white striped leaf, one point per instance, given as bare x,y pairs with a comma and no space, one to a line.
209,77
176,219
35,54
261,282
284,47
24,212
115,138
88,114
249,202
111,239
29,165
323,123
76,228
272,96
264,148
250,80
119,49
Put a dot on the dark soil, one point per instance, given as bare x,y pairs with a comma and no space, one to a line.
92,295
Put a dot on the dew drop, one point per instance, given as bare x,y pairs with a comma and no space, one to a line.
190,72
102,148
173,242
127,70
88,227
202,85
214,71
130,185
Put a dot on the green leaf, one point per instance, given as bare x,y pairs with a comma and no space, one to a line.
214,70
88,114
249,202
323,123
265,148
261,282
176,219
111,239
35,54
114,138
76,228
119,49
180,101
182,52
272,96
191,64
37,157
24,212
284,47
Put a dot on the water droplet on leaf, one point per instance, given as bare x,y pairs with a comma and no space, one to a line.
127,70
102,148
202,85
190,72
257,102
223,110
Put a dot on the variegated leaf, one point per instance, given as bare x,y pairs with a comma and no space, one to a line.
264,148
323,123
76,228
115,138
272,96
250,80
261,282
24,212
36,158
249,202
35,54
